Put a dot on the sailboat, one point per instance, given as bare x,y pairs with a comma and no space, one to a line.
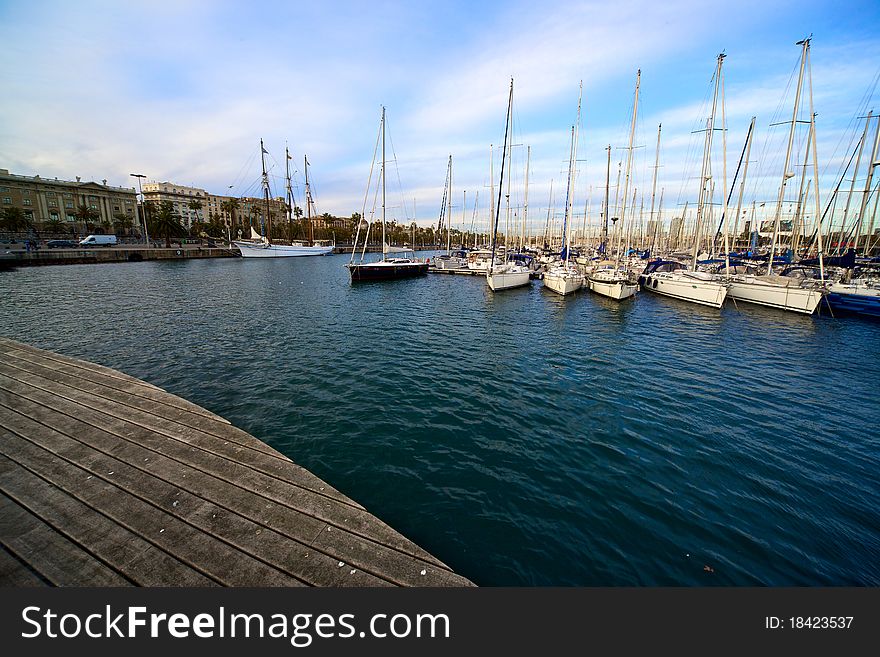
565,277
260,246
674,279
508,274
783,292
607,278
386,268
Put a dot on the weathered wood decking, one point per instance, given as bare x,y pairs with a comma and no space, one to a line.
106,480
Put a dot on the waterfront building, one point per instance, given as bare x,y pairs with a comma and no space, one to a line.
50,200
180,196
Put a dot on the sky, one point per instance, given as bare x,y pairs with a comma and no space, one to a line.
183,92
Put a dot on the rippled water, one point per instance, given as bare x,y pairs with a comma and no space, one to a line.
521,437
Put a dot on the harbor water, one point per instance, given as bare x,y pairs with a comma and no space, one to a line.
521,437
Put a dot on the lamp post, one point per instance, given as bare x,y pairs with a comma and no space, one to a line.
143,210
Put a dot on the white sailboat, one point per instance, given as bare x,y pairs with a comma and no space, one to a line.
769,289
506,274
609,279
565,277
674,279
260,246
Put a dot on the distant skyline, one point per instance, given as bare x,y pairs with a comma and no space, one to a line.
184,91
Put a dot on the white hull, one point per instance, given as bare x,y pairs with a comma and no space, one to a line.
564,281
504,280
785,297
262,250
686,287
617,290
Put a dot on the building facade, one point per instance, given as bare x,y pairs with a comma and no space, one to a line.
189,202
50,199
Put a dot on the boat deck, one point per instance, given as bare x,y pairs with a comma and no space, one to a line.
106,480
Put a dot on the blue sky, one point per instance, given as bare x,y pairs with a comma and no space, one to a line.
183,91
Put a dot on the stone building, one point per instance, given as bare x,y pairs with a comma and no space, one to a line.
50,199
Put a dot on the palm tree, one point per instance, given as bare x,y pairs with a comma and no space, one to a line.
229,206
87,216
165,223
14,220
53,226
196,206
123,222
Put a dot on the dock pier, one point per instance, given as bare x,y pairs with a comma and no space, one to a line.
106,480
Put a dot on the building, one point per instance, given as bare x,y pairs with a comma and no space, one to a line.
49,199
189,202
193,204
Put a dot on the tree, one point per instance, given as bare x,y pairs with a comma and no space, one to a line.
230,206
196,206
123,222
166,223
53,226
14,220
87,216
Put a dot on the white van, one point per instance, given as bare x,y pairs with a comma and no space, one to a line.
98,240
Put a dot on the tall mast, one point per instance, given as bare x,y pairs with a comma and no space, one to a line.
629,156
309,203
449,209
786,174
871,164
607,189
267,226
383,182
742,184
501,182
654,188
706,173
526,202
815,168
569,192
290,200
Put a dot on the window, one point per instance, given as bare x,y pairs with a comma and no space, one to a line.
68,195
25,192
53,203
7,200
93,206
71,217
68,204
53,216
116,207
27,201
50,194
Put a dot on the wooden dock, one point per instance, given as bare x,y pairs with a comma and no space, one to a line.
106,480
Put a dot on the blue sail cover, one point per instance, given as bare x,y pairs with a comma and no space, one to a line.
847,260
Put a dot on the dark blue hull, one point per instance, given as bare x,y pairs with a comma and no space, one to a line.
854,304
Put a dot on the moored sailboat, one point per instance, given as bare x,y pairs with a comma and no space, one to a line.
403,266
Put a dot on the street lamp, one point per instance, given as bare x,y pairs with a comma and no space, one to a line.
143,210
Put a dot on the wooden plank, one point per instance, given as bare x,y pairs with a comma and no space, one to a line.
57,559
263,471
142,562
14,572
197,549
275,488
274,536
133,387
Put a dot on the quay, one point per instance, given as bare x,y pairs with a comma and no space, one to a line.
122,253
106,480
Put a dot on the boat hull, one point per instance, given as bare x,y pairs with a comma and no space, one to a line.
565,283
506,280
280,250
793,299
854,300
383,271
617,290
685,288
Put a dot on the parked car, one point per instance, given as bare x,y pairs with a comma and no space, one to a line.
61,244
